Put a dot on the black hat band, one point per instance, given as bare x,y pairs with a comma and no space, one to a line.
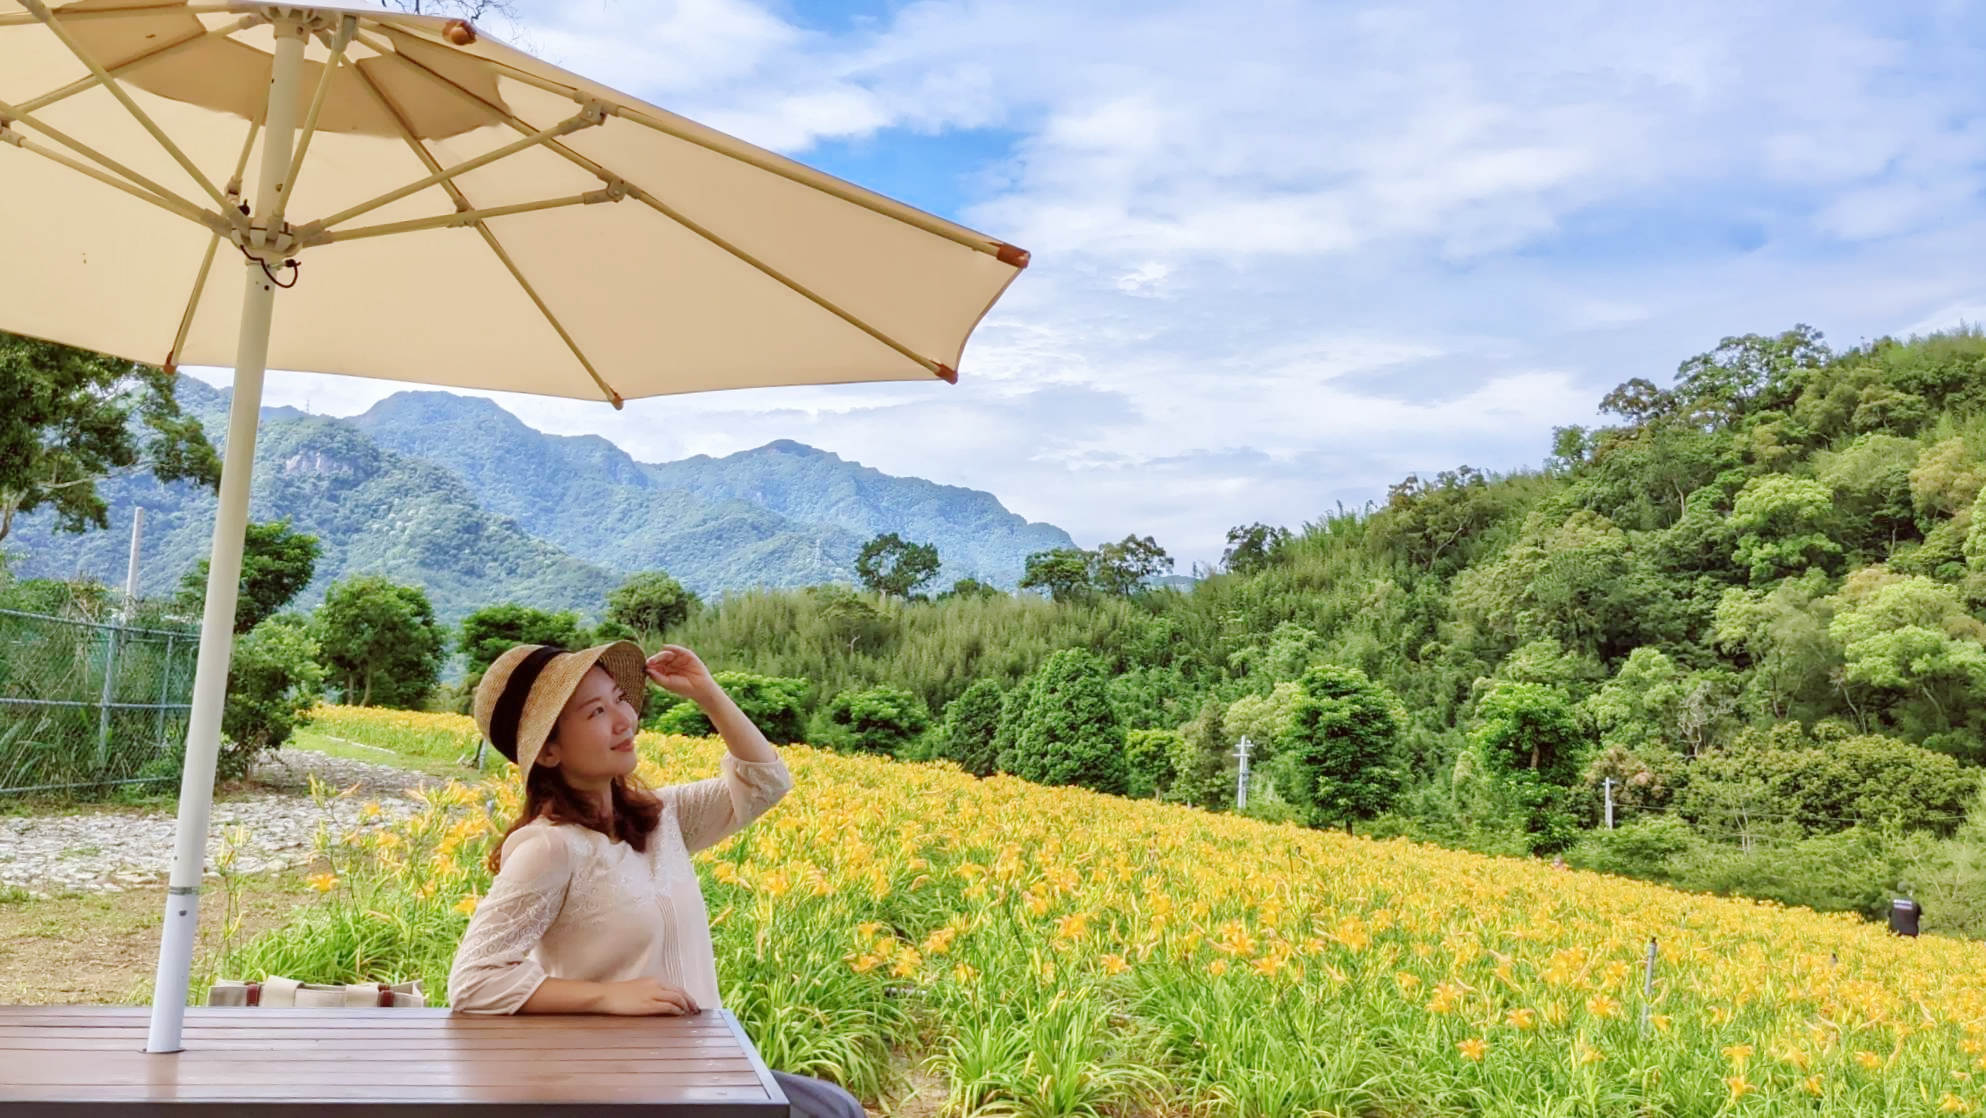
510,705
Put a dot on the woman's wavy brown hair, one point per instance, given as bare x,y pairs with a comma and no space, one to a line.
636,809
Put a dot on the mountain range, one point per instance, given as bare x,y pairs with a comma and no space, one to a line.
457,495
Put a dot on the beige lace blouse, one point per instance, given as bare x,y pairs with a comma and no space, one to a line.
569,902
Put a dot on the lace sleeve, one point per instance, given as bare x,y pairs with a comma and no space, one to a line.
711,811
494,972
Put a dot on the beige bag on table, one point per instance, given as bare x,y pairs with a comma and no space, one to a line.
278,991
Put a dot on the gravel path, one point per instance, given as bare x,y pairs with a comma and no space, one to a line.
109,851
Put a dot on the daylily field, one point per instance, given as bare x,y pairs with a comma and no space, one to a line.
1046,951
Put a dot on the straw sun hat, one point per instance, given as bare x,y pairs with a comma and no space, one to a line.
522,693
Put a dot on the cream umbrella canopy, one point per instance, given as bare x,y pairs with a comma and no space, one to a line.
398,196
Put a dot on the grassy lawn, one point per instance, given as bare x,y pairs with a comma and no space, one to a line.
443,768
102,948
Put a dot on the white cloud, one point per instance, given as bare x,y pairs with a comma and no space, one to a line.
1287,252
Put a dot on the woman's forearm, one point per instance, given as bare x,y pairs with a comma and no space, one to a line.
741,735
564,995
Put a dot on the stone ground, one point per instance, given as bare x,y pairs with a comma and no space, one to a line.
109,851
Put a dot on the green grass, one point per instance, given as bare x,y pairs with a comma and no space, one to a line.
442,768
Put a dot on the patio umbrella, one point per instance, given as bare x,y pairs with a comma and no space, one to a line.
427,205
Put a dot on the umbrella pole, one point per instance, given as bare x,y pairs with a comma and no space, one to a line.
210,675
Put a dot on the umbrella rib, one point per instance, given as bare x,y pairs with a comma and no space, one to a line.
795,173
461,218
132,183
132,63
176,6
207,261
936,368
586,118
192,304
40,10
462,202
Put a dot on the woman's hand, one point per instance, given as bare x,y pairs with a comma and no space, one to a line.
645,997
677,670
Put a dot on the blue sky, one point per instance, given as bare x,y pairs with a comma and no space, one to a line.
1286,253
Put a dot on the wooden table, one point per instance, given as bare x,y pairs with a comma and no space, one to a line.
358,1063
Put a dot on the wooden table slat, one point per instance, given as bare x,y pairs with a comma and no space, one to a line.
76,1060
334,1050
334,1078
373,1019
505,1093
509,1028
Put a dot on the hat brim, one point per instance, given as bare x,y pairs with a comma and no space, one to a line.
554,686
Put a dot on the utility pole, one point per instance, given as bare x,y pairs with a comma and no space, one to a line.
110,647
1241,779
1608,785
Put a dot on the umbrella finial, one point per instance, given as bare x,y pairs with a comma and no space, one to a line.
459,31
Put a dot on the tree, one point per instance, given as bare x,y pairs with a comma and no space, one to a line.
1526,727
1781,636
1530,741
891,566
380,641
69,424
274,680
1200,775
1013,707
1339,761
1747,375
1123,568
1064,573
1574,578
1571,446
1148,759
650,603
1784,525
972,588
1641,706
881,720
1069,733
850,621
1870,480
1251,547
1912,639
1149,697
493,630
1426,523
1287,653
1946,480
276,564
1265,720
972,721
1637,400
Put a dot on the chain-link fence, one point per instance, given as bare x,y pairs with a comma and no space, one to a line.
89,705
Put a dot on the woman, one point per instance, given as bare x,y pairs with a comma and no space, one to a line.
596,907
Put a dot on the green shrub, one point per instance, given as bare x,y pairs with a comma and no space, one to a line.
273,682
1069,733
885,720
776,704
972,722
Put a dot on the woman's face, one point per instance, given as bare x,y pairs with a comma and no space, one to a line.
593,738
